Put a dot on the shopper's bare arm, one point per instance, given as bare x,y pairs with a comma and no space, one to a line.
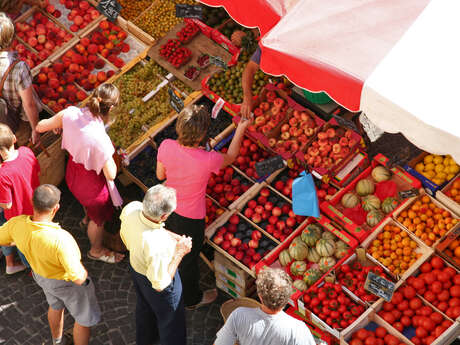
30,108
235,145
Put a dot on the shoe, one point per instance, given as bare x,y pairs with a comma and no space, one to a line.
15,269
209,296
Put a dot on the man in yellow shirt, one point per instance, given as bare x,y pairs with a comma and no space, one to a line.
154,254
55,259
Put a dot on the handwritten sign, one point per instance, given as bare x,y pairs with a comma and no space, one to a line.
379,286
404,194
174,99
217,60
189,11
269,165
109,8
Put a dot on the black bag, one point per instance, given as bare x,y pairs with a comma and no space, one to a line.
8,115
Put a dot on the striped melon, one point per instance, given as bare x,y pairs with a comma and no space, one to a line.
299,284
298,268
371,202
326,263
380,174
350,200
311,276
310,235
389,204
298,250
365,187
325,247
284,258
313,255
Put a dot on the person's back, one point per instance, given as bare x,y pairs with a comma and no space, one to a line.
254,327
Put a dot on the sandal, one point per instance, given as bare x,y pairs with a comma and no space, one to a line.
209,296
108,259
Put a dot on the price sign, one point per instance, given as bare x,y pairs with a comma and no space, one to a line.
404,194
346,123
174,99
270,165
379,286
189,11
109,8
217,60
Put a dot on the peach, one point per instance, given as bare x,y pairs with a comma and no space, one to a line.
99,63
92,78
81,95
92,49
85,41
74,68
32,41
53,83
42,78
101,76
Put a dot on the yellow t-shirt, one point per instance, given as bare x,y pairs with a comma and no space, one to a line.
51,251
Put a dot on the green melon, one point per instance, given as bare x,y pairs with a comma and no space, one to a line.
325,247
341,244
328,236
380,174
310,235
298,250
350,200
326,263
313,255
365,187
298,268
374,217
389,204
371,202
284,258
297,239
340,252
299,284
311,276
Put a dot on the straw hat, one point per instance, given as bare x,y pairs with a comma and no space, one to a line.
229,306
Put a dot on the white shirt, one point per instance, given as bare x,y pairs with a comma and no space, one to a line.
151,247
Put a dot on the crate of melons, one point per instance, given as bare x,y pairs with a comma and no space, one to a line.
310,253
371,198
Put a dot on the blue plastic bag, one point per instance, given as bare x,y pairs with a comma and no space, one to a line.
304,197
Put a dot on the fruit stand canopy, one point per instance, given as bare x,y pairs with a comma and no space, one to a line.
395,60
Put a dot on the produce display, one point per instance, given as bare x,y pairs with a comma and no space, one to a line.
42,34
283,182
394,249
226,186
453,191
406,309
189,31
332,305
325,191
353,276
311,254
181,86
438,169
25,54
73,14
242,241
439,284
132,9
272,213
227,84
144,165
453,251
192,73
213,16
269,114
375,337
132,113
427,220
331,147
212,211
160,17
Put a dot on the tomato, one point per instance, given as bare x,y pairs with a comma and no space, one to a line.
322,295
450,271
418,283
428,324
380,342
397,298
399,326
356,341
403,305
446,285
436,317
457,279
408,312
443,306
388,317
425,267
380,332
421,332
437,262
426,310
415,303
446,323
436,287
370,341
429,278
443,276
416,341
438,331
409,292
429,296
345,268
396,313
388,306
416,321
391,340
410,280
405,320
455,312
455,291
444,295
430,340
362,334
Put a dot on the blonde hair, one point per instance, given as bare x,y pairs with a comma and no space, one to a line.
192,125
6,31
274,288
102,99
6,137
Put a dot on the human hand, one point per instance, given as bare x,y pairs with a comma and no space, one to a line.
184,245
35,137
245,122
246,107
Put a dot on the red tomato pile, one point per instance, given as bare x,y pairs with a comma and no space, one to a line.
406,309
379,337
439,284
353,276
332,305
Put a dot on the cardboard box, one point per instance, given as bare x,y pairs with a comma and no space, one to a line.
227,267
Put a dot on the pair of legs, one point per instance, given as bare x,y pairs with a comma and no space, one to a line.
13,266
56,320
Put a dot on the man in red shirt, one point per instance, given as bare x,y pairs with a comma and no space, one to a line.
18,178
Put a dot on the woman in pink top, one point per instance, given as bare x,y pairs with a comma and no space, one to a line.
91,169
187,168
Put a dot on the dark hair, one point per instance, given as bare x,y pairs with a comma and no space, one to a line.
105,96
46,197
6,137
192,125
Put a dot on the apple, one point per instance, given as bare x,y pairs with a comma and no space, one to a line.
265,192
246,260
256,235
276,234
239,255
257,257
290,222
225,245
276,211
252,204
281,225
270,228
259,209
253,244
272,220
256,218
234,219
232,228
261,200
235,242
228,236
218,239
248,212
268,206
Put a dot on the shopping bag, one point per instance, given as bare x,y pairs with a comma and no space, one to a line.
304,198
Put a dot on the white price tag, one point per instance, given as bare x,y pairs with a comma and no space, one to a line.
217,107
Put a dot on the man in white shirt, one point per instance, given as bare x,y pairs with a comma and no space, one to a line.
269,324
154,255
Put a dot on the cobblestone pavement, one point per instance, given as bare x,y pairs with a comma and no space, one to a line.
23,307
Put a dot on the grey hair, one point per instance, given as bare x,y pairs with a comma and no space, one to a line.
274,287
158,201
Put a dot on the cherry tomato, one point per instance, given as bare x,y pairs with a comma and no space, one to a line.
437,262
418,284
409,292
425,267
429,296
455,290
415,303
436,287
437,318
380,332
444,295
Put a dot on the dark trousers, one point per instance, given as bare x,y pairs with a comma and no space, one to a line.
189,270
159,315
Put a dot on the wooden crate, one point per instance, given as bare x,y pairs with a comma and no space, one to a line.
445,200
233,290
226,267
240,290
422,248
52,160
444,243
